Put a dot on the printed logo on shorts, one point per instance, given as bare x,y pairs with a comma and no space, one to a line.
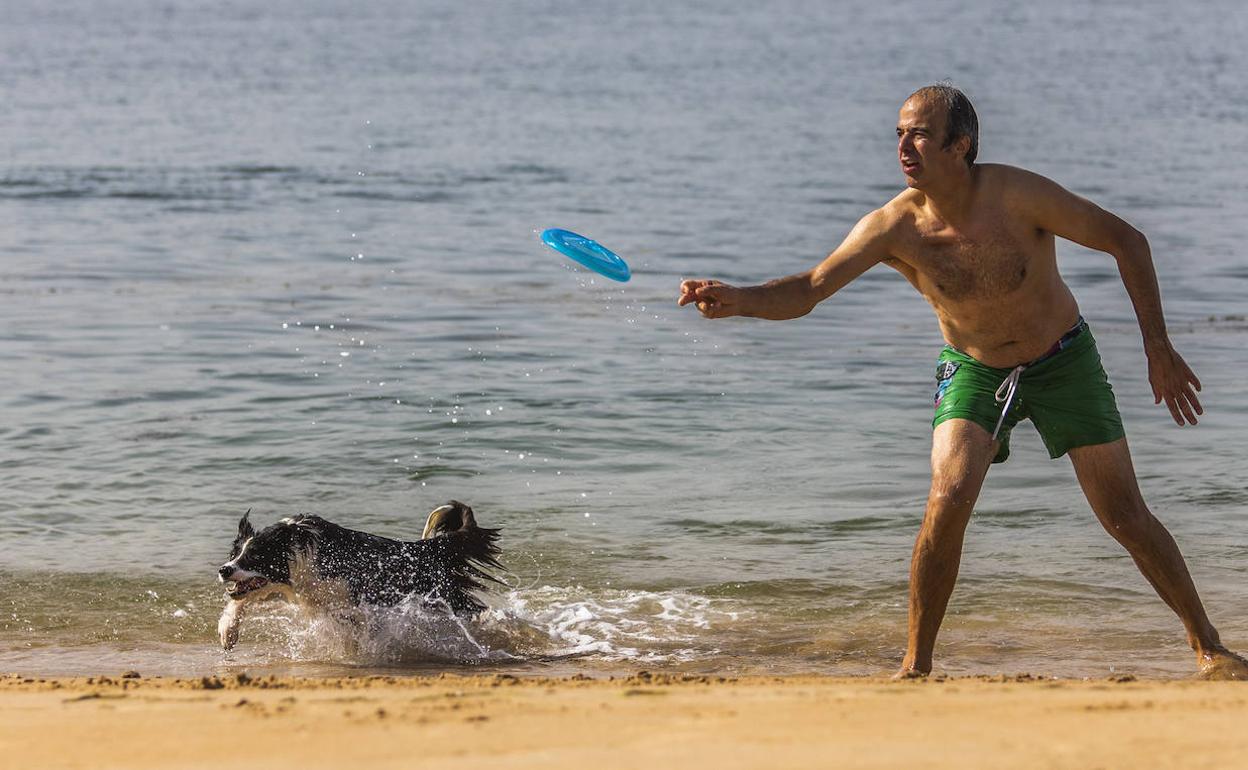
944,375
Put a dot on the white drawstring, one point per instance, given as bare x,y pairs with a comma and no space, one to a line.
1009,386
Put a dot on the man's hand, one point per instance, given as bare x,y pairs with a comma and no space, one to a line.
713,298
1174,382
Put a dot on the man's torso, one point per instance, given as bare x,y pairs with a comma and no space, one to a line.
992,278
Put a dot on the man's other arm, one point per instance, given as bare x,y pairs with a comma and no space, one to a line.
1077,219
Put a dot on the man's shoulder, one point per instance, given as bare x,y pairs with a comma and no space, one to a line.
899,210
1010,179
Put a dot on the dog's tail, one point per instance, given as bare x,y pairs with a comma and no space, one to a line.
466,550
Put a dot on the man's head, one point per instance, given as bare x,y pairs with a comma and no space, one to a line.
937,131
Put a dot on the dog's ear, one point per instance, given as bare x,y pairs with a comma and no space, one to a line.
244,527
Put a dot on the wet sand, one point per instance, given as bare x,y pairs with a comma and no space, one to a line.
643,720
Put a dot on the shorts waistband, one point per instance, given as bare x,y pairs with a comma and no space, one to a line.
1063,342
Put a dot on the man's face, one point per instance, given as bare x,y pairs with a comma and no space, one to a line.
920,134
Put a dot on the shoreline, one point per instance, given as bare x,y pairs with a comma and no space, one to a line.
663,719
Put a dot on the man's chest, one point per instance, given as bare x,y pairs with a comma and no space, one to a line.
980,263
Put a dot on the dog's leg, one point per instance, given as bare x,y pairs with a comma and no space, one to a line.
227,626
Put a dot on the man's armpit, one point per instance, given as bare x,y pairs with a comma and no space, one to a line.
907,271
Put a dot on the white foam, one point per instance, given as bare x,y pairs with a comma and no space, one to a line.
615,624
610,625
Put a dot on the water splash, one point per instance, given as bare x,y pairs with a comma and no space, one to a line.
529,624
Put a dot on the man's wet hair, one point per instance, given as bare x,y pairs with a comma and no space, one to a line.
960,119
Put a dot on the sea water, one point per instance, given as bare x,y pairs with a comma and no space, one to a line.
283,257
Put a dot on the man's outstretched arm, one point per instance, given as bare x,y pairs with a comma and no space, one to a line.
1065,214
796,295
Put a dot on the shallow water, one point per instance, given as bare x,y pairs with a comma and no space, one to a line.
285,258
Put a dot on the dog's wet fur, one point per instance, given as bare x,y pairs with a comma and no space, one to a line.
308,560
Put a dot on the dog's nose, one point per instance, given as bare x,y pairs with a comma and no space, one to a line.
225,572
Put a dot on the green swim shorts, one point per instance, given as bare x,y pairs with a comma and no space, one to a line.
1065,393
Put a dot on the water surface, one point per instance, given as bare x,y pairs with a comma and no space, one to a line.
285,258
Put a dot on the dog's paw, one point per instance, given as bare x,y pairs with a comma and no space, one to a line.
227,626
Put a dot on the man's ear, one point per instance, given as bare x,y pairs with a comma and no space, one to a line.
244,526
962,146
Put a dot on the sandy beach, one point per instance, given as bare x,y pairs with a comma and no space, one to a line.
645,720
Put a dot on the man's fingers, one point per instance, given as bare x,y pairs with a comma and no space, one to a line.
708,299
1173,381
1174,410
693,290
689,291
1195,402
1187,410
708,309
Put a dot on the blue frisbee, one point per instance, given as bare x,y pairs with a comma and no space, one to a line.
587,252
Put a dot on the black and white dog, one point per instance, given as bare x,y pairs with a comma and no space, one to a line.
310,561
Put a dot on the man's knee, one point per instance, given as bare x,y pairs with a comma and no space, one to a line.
961,452
1129,522
949,504
949,494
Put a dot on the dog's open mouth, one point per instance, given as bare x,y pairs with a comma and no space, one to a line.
240,588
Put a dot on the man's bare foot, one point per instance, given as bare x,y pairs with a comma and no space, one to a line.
1221,664
910,673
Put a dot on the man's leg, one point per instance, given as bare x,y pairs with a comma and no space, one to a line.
1108,479
961,454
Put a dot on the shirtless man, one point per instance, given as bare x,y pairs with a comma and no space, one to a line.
977,241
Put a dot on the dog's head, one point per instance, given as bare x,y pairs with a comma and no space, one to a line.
262,560
452,517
